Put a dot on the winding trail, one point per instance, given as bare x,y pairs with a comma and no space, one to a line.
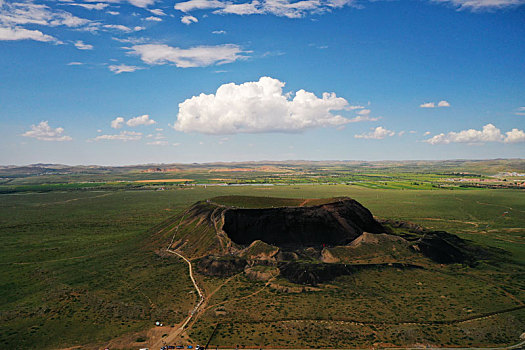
201,295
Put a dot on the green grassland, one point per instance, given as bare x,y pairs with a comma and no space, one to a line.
85,266
386,175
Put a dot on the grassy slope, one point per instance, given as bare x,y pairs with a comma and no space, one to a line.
70,259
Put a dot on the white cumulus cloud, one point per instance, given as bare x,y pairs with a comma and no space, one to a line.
443,104
378,133
260,106
44,132
140,120
489,133
198,56
117,123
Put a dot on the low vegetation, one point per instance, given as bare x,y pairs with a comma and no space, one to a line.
83,264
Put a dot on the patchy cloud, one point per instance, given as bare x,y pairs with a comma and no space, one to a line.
441,103
158,143
198,56
256,107
378,133
482,5
79,44
219,32
157,12
122,136
119,122
281,8
188,19
97,6
123,28
20,13
428,105
44,132
153,19
15,33
489,133
122,68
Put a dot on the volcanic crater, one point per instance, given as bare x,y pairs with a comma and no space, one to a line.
308,241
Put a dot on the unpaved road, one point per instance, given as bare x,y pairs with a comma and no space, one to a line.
173,334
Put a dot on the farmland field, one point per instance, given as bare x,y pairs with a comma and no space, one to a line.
83,267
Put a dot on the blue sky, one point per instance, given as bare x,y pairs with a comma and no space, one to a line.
147,81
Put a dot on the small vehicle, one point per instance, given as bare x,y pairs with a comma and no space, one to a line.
190,347
179,347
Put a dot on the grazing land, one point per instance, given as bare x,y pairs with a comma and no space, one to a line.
83,260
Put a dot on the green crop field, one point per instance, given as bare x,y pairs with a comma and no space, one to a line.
84,267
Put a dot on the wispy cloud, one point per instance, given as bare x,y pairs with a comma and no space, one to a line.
481,5
15,33
122,136
520,111
79,44
97,6
123,28
122,68
198,56
158,143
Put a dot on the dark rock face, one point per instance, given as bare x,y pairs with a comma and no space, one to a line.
335,223
446,248
221,266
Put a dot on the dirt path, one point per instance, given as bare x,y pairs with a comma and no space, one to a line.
173,334
76,199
